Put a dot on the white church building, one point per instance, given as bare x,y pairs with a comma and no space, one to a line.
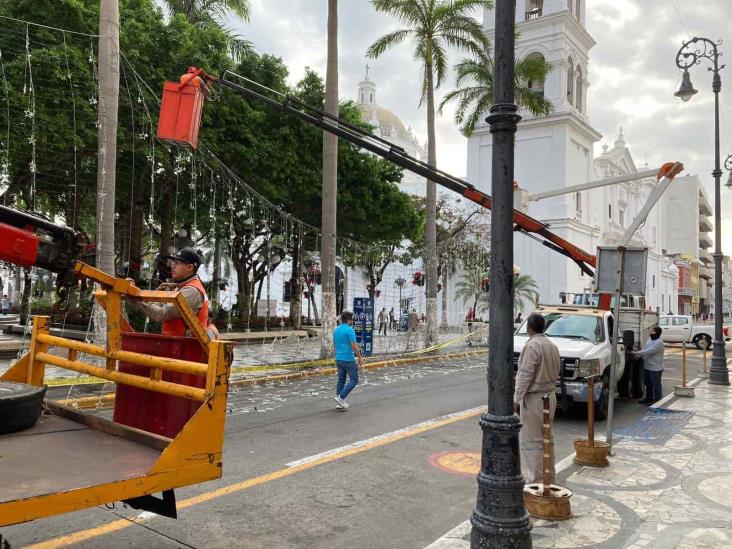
557,151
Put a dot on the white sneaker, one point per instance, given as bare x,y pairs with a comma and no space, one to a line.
340,402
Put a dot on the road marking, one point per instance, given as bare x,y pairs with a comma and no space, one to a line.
398,432
307,463
460,462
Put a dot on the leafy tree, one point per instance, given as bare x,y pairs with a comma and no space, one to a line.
524,289
471,287
432,26
474,93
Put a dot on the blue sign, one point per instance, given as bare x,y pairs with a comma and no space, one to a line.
363,323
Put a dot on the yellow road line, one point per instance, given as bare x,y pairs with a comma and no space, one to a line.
117,525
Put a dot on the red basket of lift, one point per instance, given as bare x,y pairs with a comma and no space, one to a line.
150,411
182,108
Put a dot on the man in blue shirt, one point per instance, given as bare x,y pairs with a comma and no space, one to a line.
652,355
344,340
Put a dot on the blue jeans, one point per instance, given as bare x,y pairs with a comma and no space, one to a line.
350,368
653,384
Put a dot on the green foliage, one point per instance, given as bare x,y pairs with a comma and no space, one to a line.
525,290
474,93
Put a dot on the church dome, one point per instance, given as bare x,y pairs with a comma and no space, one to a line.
389,123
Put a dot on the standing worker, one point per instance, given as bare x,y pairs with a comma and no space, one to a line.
652,355
383,320
184,271
538,370
344,341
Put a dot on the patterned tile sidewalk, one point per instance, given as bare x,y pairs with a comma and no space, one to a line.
659,492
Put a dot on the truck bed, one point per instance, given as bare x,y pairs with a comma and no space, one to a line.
59,454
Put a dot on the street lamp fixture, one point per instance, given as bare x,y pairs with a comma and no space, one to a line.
692,52
686,91
728,167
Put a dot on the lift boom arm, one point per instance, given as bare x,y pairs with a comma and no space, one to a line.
357,136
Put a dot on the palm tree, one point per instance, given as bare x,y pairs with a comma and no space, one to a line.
205,12
474,93
330,188
471,286
432,26
524,289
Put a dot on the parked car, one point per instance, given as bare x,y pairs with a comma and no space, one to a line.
583,336
681,329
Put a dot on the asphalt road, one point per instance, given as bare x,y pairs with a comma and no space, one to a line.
398,469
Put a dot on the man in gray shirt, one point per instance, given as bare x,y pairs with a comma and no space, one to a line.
652,355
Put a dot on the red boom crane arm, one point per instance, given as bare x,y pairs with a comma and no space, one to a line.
363,139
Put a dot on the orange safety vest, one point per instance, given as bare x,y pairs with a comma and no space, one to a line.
176,326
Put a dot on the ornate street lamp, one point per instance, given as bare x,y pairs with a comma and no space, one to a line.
728,167
400,282
500,519
692,52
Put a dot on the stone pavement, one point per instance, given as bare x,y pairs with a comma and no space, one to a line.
669,484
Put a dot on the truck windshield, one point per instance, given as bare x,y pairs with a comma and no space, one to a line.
588,328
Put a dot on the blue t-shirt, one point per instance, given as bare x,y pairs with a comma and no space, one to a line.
343,336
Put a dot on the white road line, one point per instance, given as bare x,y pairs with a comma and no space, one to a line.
376,438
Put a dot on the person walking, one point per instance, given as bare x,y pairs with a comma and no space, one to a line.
392,320
518,319
652,355
5,305
413,321
383,320
538,370
346,351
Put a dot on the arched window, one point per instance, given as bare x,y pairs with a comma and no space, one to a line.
536,86
578,89
570,81
578,206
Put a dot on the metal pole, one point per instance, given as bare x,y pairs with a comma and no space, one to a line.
691,53
500,519
614,354
591,412
718,373
683,365
546,432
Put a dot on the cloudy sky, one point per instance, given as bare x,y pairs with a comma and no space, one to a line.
632,75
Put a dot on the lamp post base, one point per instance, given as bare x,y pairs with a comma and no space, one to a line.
718,372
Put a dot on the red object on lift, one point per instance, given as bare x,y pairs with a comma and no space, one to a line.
157,412
18,246
182,107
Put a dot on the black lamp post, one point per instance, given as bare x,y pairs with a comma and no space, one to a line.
400,282
500,519
691,53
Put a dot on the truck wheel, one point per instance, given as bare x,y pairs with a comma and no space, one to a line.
701,340
601,406
20,405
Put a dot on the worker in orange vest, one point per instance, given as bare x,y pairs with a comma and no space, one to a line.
184,270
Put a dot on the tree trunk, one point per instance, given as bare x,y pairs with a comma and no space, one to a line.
216,274
25,301
430,231
166,219
107,147
137,216
330,187
107,137
243,293
444,297
296,282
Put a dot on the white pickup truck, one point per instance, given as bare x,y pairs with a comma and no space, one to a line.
681,329
583,336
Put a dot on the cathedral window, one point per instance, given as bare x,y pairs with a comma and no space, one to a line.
536,86
578,205
610,211
534,9
578,89
570,81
